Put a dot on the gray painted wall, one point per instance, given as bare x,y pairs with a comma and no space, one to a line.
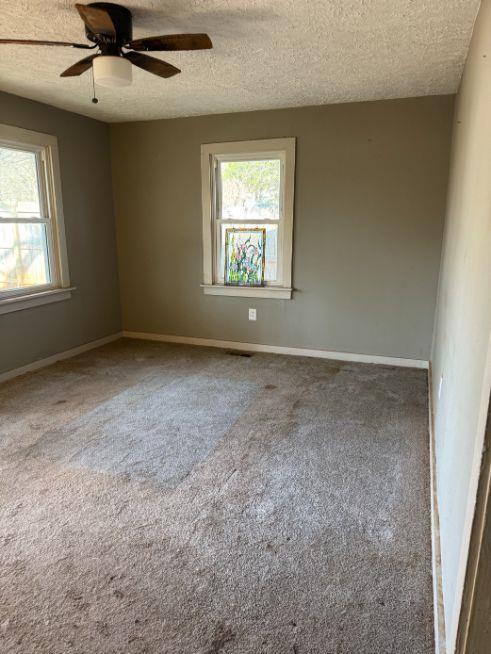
369,204
462,349
93,311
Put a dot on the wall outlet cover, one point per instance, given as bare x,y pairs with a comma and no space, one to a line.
252,314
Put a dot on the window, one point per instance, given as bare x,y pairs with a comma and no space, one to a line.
33,267
249,185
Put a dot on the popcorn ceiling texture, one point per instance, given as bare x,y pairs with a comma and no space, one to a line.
268,54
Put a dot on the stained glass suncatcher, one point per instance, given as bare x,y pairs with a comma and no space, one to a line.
244,256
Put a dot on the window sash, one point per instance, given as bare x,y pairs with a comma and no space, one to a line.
226,158
217,221
45,219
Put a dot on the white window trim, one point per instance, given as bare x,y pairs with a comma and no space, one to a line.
209,153
59,288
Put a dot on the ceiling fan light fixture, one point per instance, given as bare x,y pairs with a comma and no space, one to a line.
111,71
109,28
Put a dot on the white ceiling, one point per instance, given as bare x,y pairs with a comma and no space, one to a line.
267,54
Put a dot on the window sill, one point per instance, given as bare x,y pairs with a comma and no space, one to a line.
19,302
276,292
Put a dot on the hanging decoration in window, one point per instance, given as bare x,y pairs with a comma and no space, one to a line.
244,256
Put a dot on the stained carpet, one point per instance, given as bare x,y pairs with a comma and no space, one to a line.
166,499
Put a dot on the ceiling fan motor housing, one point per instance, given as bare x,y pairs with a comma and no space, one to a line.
121,18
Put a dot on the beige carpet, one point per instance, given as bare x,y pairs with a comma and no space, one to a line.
176,500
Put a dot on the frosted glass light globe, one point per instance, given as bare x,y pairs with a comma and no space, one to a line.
111,71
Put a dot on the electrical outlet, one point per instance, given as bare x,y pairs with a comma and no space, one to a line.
252,314
440,387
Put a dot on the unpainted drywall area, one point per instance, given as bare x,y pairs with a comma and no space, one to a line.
369,204
461,359
93,310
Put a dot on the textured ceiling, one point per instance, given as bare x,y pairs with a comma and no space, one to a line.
267,54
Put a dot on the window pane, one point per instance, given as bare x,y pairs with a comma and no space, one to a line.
250,190
271,250
19,194
23,255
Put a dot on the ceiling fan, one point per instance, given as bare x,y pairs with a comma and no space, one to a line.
109,26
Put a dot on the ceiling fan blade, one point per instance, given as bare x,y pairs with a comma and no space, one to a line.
31,42
80,67
97,20
169,42
151,64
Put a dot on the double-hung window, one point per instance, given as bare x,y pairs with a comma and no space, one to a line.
249,185
33,265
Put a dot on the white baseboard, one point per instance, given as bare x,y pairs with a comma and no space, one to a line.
67,354
277,349
206,342
436,558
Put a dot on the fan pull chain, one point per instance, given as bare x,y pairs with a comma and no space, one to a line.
94,98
